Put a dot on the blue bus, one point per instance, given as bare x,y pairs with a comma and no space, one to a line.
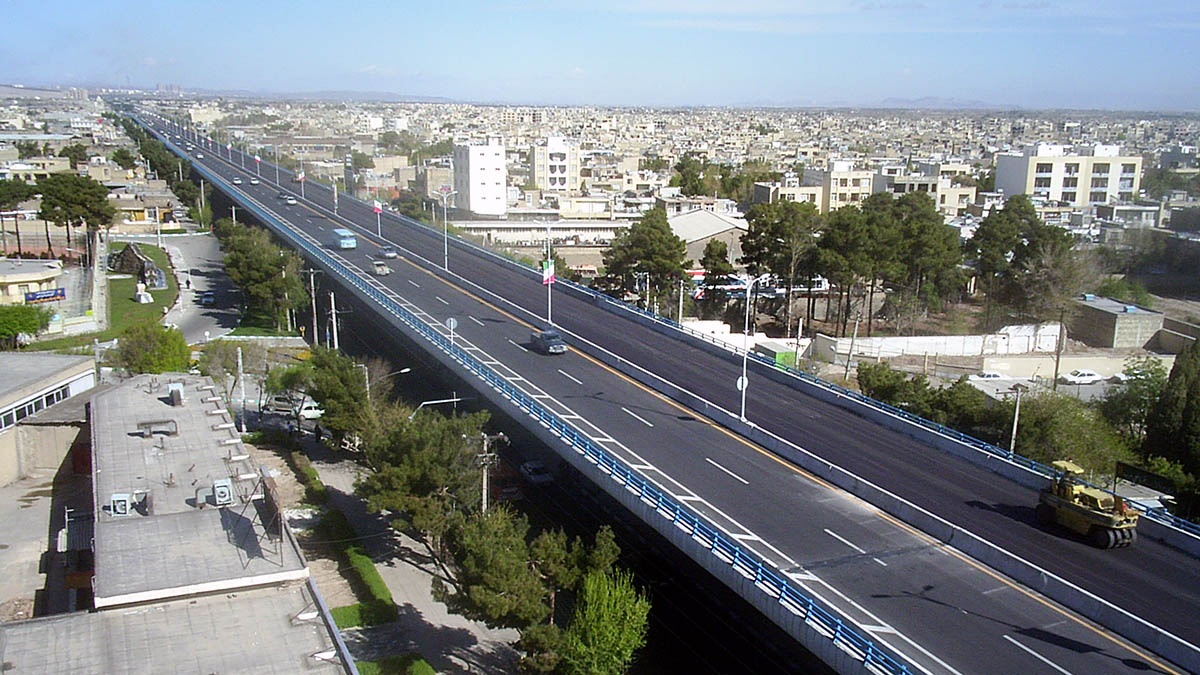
345,238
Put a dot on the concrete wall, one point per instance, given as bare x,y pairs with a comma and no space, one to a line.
1189,329
1024,339
45,446
1173,342
10,461
1043,365
1114,330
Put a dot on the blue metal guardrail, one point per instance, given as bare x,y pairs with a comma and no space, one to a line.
1157,513
749,565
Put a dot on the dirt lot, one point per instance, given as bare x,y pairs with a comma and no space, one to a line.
322,563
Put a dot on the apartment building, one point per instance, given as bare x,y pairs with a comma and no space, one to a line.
843,184
951,200
554,165
790,190
481,178
1096,174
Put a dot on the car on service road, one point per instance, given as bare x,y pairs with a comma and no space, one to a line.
388,252
237,181
382,269
254,181
291,201
548,342
1082,376
535,472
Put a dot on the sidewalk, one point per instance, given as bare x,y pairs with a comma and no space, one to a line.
451,643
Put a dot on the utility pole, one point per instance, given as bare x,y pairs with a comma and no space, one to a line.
333,318
850,354
242,384
1012,442
486,459
312,294
1062,336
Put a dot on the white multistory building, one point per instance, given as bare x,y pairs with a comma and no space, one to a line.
554,165
481,178
1097,174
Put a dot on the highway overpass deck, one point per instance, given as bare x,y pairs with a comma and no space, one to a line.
928,601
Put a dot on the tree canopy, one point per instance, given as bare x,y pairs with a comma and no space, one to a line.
17,320
647,246
151,348
77,153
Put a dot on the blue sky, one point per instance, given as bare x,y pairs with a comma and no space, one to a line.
1111,54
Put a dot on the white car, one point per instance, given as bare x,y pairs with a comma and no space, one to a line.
1082,376
199,155
535,472
291,201
985,376
237,181
254,181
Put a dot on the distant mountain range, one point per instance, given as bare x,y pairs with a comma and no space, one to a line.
941,103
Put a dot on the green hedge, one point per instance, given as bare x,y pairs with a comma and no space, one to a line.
378,606
315,491
396,664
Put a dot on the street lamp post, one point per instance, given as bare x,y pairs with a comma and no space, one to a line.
1012,442
446,229
743,383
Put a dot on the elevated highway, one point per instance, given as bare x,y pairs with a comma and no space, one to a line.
921,601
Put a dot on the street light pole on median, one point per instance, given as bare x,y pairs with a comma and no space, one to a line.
743,382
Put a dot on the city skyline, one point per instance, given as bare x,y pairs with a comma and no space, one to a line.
1073,54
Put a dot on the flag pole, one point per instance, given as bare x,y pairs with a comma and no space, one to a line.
549,274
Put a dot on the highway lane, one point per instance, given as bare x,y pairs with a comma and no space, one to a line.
761,507
1145,579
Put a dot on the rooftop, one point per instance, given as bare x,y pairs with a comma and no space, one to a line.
1113,306
263,631
23,369
180,508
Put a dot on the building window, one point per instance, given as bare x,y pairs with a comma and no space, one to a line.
1070,182
1099,182
1098,197
1126,196
1072,169
1128,168
1045,168
1068,197
1100,169
1041,182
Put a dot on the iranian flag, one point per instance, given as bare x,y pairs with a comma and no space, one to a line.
300,176
548,272
377,206
229,146
257,158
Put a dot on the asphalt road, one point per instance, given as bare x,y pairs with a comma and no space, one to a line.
884,575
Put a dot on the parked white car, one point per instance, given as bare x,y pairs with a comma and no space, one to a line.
1082,376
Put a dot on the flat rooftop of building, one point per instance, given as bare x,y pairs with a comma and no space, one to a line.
253,632
1114,306
164,459
27,266
23,369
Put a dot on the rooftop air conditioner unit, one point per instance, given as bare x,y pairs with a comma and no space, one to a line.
121,504
223,491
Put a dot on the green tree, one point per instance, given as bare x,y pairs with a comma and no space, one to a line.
929,250
718,271
339,386
647,246
359,160
124,158
69,199
12,193
1057,426
844,254
16,320
778,240
151,348
219,360
27,149
425,472
894,387
292,381
494,582
609,626
1128,407
269,275
77,153
992,246
882,256
1173,425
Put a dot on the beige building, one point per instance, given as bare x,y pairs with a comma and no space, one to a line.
34,383
1096,174
790,190
843,184
19,277
554,165
31,169
951,200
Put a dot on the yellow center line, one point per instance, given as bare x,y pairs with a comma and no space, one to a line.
1082,621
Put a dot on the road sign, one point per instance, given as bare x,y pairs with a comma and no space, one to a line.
741,383
452,323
